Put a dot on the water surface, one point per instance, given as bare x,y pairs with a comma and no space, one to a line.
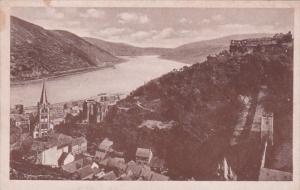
124,78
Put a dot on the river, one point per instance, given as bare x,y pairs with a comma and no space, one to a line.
123,78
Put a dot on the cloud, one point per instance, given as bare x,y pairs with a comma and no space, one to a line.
164,33
185,21
54,13
92,13
217,17
113,31
126,17
141,35
205,21
144,19
245,28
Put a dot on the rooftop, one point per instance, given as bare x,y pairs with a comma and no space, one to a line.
106,143
85,171
110,176
159,177
78,141
100,155
143,152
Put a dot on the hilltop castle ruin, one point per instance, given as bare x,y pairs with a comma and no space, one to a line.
260,44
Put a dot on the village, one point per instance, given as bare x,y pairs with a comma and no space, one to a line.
70,154
51,147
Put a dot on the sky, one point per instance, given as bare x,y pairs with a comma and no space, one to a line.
159,27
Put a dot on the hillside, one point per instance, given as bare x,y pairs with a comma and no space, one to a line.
37,52
122,49
197,51
200,105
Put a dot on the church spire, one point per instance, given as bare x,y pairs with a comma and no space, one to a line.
43,99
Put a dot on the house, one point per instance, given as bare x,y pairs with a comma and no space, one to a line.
146,173
143,156
21,120
89,171
157,164
62,148
109,176
94,166
48,156
48,152
78,145
86,172
117,154
65,158
158,177
100,174
100,155
133,170
73,166
106,145
117,163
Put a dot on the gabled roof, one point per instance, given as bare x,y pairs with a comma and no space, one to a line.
143,152
118,163
62,158
85,171
134,168
157,162
100,155
158,177
110,176
73,166
105,144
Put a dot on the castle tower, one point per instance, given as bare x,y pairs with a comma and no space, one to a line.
90,111
43,109
267,128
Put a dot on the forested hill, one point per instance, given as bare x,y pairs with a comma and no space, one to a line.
202,104
197,51
37,52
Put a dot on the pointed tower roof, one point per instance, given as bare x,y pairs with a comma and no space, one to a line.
43,99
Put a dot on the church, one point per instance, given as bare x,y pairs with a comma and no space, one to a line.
43,126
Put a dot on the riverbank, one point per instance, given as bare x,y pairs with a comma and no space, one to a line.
65,73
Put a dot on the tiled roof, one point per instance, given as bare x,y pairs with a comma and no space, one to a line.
106,143
110,176
85,171
62,158
143,152
157,162
116,162
73,166
158,177
100,155
134,168
78,141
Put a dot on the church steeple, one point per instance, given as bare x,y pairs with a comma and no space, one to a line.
43,114
43,99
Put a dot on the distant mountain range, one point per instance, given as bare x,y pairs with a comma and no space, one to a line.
188,53
122,49
37,52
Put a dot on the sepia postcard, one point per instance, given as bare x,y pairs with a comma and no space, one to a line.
149,94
